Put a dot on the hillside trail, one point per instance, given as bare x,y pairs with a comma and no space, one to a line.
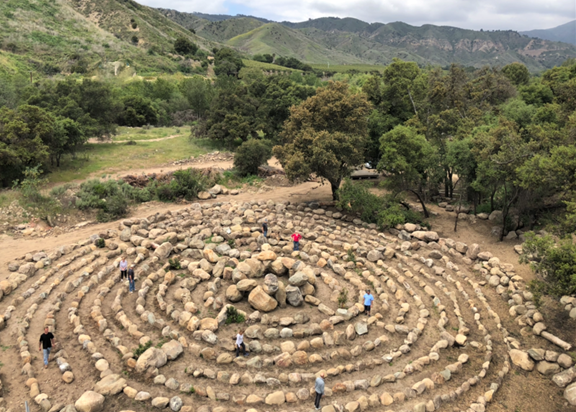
94,140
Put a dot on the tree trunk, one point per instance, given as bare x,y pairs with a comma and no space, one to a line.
426,215
335,186
492,200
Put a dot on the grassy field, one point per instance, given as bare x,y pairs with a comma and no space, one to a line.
342,68
126,134
103,159
267,66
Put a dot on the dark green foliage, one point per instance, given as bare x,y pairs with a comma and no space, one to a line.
185,47
250,155
174,264
135,40
138,111
517,73
292,63
232,316
100,243
227,62
141,349
386,211
554,261
186,184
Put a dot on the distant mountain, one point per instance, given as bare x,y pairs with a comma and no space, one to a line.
349,40
565,33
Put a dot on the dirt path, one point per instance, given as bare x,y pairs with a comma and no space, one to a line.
309,191
95,140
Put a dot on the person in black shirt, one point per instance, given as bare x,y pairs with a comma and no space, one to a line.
265,228
46,344
131,278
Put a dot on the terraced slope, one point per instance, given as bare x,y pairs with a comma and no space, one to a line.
448,326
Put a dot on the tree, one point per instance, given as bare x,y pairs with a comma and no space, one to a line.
138,111
410,160
185,47
23,136
517,73
326,135
250,155
227,62
199,93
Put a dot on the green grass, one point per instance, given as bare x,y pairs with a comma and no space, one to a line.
267,66
8,196
343,68
140,133
95,160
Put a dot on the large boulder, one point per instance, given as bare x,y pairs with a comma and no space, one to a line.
90,402
298,279
570,394
294,295
260,300
163,251
270,284
110,385
521,359
173,349
233,294
153,357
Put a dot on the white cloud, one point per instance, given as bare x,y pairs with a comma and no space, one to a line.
471,14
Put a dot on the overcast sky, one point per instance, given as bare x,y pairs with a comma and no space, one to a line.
471,14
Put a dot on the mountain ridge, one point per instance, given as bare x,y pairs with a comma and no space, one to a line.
565,33
349,40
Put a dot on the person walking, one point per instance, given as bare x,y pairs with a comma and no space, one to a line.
131,278
46,344
296,239
265,228
368,299
240,343
319,388
123,268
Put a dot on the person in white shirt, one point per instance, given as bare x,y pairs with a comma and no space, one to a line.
123,269
240,343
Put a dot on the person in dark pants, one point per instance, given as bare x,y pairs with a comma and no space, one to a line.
240,343
368,299
46,344
265,228
131,278
123,268
296,239
319,388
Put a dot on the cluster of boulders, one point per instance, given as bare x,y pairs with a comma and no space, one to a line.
209,157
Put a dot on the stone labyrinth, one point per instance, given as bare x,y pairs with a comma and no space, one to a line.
435,340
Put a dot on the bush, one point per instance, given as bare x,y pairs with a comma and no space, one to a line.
554,261
174,264
110,198
185,184
100,243
184,46
386,211
232,316
250,155
141,349
342,298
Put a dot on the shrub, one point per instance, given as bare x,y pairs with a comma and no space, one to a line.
250,155
232,316
185,184
141,349
554,261
174,264
342,297
386,211
184,46
100,243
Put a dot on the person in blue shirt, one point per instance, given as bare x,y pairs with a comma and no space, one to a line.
368,299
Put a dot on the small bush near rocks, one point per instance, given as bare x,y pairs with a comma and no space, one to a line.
343,298
141,349
232,316
100,243
174,264
250,155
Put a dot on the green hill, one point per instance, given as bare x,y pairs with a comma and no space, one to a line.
63,36
281,40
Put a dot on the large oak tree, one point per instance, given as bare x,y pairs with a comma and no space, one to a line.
325,135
